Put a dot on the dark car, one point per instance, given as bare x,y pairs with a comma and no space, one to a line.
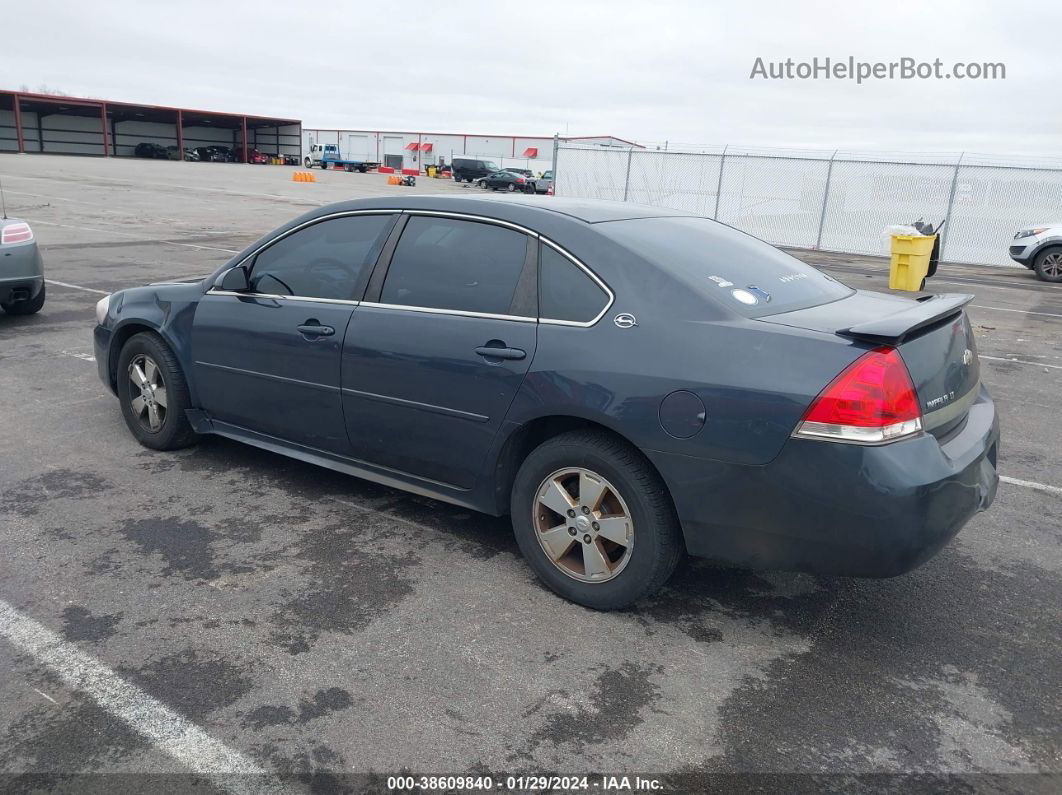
507,181
628,383
145,149
471,168
215,154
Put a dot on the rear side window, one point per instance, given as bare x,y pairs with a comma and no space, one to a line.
329,259
736,270
566,291
443,263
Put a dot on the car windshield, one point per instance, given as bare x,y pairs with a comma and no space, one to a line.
740,272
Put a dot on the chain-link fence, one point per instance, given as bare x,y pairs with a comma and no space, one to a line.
839,202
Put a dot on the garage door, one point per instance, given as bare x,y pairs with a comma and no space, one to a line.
358,148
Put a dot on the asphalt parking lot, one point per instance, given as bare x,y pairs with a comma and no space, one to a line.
172,608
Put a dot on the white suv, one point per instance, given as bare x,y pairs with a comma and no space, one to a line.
1039,248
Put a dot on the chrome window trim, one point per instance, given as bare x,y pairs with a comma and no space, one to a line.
432,310
298,298
311,222
429,310
597,280
480,218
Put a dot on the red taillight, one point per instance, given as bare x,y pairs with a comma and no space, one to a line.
519,180
15,233
872,401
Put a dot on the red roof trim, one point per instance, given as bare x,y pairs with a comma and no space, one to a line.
59,100
414,146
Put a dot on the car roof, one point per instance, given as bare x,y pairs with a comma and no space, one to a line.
513,208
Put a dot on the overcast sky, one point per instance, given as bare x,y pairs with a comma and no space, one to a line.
649,71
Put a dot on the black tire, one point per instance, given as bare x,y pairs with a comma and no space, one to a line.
1048,265
175,431
30,307
511,188
658,543
307,163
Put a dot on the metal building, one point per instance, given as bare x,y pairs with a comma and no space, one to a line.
83,126
405,149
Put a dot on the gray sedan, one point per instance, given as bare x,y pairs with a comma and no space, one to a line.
21,269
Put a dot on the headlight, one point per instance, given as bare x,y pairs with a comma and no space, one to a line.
1030,232
101,309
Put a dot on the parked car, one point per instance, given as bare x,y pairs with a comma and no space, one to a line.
256,156
507,180
506,356
21,269
173,153
215,154
1039,248
469,169
145,149
544,183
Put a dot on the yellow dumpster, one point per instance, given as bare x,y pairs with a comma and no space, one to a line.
910,261
431,171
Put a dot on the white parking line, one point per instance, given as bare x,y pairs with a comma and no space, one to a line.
1019,361
164,728
77,287
1030,484
1019,311
133,237
85,357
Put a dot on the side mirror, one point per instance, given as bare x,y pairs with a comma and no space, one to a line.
234,280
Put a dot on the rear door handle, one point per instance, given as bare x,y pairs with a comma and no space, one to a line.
489,352
315,330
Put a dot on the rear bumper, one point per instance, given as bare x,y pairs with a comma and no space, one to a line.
831,508
20,288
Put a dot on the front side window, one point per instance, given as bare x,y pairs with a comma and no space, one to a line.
566,291
443,263
326,260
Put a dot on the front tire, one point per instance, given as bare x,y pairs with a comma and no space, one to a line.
626,540
154,394
1048,265
30,307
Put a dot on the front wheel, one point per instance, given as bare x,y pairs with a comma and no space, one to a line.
594,520
1049,265
307,163
511,188
154,394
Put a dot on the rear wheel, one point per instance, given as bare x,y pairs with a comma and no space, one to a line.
511,188
1049,265
594,520
30,307
154,394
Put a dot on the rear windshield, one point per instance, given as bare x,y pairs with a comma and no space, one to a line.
736,270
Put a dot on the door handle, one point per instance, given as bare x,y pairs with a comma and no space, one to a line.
315,330
490,352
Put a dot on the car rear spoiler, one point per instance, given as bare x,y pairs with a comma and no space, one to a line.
894,329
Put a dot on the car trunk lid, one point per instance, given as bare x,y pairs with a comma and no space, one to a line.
932,334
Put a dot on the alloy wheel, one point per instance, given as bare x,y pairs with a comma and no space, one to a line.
583,525
1053,264
148,397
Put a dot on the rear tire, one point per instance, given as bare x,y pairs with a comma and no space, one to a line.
162,426
630,496
30,307
1048,265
